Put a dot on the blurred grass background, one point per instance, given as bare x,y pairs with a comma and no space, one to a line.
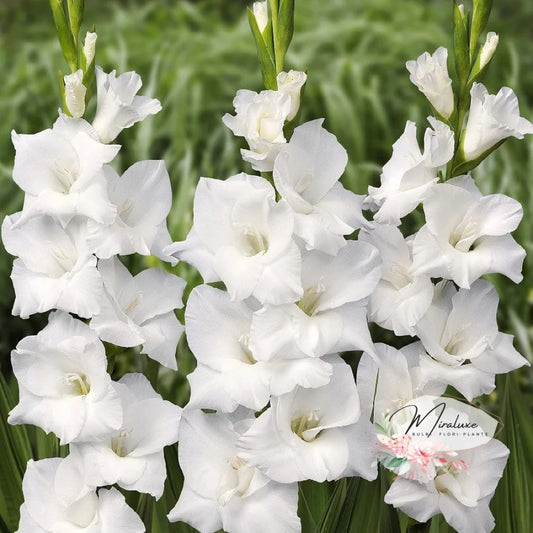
193,56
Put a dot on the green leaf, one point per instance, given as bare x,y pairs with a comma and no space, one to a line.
68,47
345,515
329,522
367,508
312,502
266,56
388,516
512,500
16,451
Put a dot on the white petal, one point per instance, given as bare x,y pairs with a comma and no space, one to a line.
201,513
272,508
413,498
115,515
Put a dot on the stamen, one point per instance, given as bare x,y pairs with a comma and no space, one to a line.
308,421
256,242
126,206
311,299
244,339
79,383
65,177
118,444
132,305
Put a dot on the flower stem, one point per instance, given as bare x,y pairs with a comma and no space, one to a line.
419,528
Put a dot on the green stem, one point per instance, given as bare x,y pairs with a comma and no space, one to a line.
419,528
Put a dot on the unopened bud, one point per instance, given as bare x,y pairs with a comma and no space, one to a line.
260,11
291,83
89,47
488,49
461,8
75,94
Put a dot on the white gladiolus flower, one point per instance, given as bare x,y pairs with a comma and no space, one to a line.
220,490
118,105
492,119
291,83
260,11
75,93
143,197
400,299
461,494
54,269
391,381
45,510
488,49
313,433
60,170
306,174
331,315
63,383
228,374
386,384
471,239
133,456
242,237
259,119
140,310
410,174
89,46
430,74
460,334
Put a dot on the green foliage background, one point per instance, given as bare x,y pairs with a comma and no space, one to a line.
193,56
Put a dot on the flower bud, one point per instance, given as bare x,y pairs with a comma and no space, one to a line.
430,74
488,49
260,11
89,47
75,94
291,83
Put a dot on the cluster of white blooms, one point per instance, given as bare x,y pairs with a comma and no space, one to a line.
298,292
78,215
430,288
272,401
296,295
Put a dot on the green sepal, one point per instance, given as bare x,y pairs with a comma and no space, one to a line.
268,37
480,17
61,82
477,72
460,44
68,47
284,31
88,79
462,167
266,56
75,15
